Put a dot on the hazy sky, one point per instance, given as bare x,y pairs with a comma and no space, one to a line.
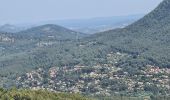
19,11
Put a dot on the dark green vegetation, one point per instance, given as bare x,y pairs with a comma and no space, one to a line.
146,42
14,94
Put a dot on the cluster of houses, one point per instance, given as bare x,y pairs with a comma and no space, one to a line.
97,80
58,80
4,38
45,43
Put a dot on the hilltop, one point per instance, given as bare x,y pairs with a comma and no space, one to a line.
51,30
10,28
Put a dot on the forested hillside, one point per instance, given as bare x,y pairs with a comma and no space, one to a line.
147,39
51,30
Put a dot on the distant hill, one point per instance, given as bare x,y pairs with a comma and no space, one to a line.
10,28
51,30
26,44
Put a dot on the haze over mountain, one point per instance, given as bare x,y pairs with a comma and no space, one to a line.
94,25
10,28
89,26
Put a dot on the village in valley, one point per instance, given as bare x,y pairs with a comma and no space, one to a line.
101,79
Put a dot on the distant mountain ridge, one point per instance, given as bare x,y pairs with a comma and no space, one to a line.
87,25
10,28
94,25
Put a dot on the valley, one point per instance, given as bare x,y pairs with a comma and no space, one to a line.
99,80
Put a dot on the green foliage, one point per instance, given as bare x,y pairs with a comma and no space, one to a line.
22,94
15,94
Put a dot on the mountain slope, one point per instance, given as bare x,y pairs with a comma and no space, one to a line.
148,38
